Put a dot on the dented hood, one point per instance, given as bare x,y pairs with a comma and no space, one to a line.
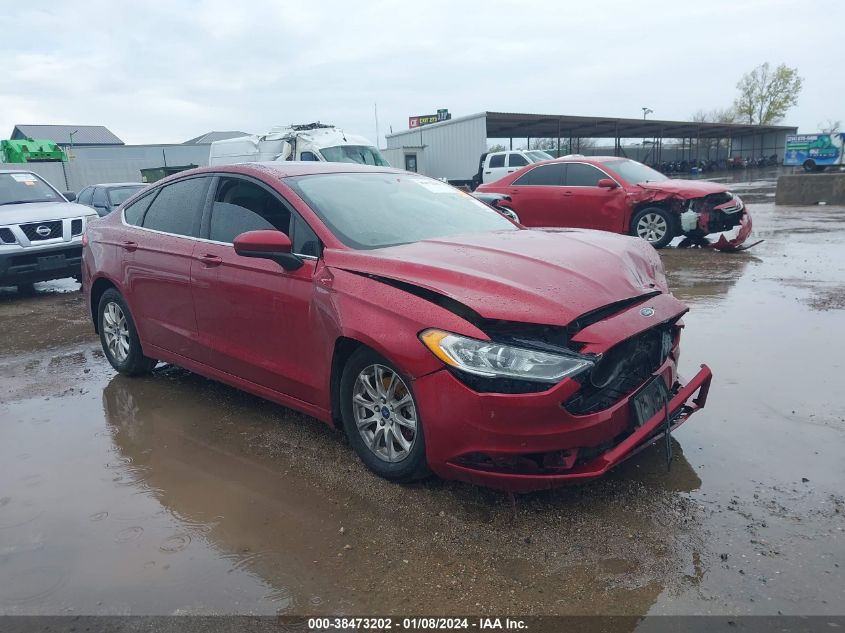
683,188
549,276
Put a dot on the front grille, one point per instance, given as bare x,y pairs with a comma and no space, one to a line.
33,235
621,370
76,227
6,236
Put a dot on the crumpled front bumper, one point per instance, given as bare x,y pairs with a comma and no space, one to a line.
460,422
737,242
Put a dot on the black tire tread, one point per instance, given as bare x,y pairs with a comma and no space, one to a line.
136,364
414,467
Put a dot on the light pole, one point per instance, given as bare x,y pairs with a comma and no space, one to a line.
71,138
646,111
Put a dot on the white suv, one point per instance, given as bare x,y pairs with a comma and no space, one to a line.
40,230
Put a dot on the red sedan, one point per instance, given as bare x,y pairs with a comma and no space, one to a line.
616,194
439,335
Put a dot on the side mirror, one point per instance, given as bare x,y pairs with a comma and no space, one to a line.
607,183
69,196
267,244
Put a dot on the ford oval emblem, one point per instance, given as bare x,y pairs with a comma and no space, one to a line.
43,230
647,312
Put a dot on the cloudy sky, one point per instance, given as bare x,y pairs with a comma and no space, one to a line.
167,71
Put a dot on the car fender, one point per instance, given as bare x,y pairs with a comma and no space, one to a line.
386,318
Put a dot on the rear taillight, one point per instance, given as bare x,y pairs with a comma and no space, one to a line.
85,239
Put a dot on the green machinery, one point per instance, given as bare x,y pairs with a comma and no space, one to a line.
30,150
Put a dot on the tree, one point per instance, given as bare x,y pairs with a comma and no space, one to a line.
831,127
550,144
765,95
496,148
717,115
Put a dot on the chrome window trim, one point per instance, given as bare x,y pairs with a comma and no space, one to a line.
191,237
569,162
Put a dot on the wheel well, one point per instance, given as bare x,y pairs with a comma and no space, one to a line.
97,290
664,205
344,347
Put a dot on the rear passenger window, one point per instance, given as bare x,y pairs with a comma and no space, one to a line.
581,175
241,206
497,161
100,197
544,175
134,213
176,207
517,160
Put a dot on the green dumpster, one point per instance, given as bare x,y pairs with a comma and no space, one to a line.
31,150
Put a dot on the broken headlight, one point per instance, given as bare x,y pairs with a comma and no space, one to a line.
495,360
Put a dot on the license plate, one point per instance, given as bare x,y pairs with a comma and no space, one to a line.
51,262
650,399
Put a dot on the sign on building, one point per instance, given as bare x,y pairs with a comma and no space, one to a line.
428,119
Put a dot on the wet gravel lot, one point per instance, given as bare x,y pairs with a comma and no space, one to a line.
174,494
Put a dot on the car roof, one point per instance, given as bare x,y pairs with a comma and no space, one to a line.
589,159
285,169
117,184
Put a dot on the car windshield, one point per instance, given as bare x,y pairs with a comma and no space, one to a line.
362,154
634,172
373,210
536,156
119,195
25,187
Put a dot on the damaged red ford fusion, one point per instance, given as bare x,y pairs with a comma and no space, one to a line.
440,335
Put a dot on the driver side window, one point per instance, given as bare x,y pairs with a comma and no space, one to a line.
240,206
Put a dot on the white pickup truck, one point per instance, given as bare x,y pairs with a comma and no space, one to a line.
495,165
311,142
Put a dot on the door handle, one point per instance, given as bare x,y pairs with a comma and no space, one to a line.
510,171
210,261
567,193
129,246
487,172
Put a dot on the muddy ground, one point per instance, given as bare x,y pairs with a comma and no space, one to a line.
173,494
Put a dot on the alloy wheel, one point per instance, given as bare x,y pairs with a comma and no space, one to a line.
384,413
116,331
652,227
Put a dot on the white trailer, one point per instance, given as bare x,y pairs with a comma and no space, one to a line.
312,142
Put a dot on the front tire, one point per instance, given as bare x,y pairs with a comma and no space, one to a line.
381,418
119,336
655,225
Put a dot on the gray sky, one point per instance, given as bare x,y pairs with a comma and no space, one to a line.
167,71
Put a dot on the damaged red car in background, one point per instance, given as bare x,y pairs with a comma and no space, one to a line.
438,334
623,196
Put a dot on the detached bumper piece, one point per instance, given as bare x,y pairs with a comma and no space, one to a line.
537,471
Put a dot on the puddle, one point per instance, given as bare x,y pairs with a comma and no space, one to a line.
174,494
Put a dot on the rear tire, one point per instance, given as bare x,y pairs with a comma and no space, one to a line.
119,336
655,225
381,418
809,165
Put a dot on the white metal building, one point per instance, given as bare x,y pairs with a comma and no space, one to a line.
451,149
